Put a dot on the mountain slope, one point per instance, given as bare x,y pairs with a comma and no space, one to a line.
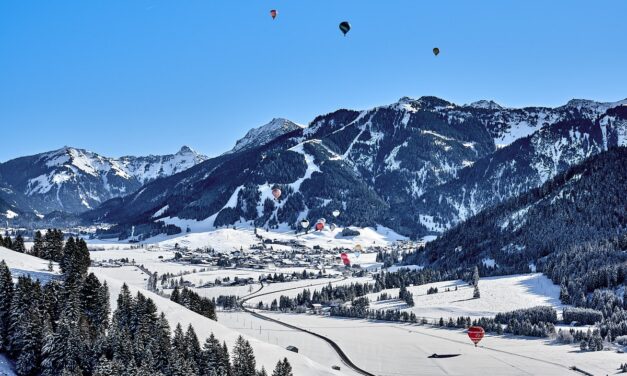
587,203
416,166
260,136
74,180
527,163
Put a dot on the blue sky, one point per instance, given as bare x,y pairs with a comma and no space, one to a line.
135,77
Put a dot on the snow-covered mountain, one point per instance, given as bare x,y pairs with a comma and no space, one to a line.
577,207
74,180
262,135
416,166
525,164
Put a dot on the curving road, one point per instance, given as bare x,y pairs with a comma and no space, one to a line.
345,359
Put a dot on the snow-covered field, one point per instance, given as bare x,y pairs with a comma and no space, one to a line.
312,347
403,349
498,294
228,239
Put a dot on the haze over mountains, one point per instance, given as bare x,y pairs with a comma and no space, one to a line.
417,166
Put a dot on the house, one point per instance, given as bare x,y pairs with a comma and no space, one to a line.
316,308
372,267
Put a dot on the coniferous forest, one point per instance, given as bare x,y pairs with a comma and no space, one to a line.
64,326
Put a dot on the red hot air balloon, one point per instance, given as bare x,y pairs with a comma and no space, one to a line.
345,259
319,226
476,333
276,192
273,13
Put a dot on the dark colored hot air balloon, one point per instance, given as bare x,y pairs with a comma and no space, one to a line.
436,51
276,192
274,13
345,27
476,333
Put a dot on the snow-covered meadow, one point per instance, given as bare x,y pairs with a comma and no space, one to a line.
498,294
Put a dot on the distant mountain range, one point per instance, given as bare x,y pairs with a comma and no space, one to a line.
418,166
75,180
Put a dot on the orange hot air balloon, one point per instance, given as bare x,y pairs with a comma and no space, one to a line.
274,13
276,192
319,226
476,333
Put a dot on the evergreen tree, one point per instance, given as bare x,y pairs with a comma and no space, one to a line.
283,368
475,276
211,356
193,352
104,367
38,245
162,344
62,349
244,363
564,295
26,326
8,243
18,244
225,368
6,295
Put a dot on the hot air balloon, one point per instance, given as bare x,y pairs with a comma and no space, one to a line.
276,192
345,27
336,213
304,223
274,13
319,226
345,259
436,51
332,227
476,333
358,248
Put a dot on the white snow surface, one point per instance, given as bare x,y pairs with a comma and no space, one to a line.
393,349
10,214
5,367
498,294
